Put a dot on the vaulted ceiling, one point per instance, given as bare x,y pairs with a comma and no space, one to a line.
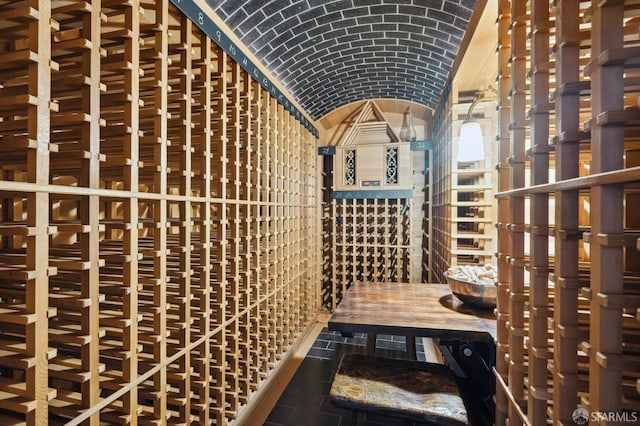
329,53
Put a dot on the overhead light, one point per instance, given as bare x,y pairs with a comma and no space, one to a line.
471,142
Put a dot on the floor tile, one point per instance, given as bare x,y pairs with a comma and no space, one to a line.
305,401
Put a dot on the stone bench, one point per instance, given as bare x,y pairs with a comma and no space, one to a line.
419,391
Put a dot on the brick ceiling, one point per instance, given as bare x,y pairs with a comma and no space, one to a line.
329,53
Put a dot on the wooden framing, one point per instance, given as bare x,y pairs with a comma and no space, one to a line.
158,219
502,167
568,270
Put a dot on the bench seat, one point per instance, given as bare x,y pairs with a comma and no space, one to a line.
419,391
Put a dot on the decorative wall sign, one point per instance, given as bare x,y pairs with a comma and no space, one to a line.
421,145
326,150
218,36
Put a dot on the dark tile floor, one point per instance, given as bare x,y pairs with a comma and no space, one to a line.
305,401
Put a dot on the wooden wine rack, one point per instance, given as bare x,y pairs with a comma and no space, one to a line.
375,202
568,260
471,210
158,219
463,202
442,183
427,253
371,242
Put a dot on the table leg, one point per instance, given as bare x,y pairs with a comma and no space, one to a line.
411,348
371,344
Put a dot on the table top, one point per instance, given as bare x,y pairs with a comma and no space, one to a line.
410,309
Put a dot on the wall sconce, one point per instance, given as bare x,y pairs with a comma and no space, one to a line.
471,142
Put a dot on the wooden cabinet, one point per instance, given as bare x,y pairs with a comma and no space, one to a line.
375,167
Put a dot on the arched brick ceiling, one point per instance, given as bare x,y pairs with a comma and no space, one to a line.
331,53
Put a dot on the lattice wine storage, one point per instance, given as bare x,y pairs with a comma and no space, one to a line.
568,231
371,242
373,204
158,219
442,184
463,202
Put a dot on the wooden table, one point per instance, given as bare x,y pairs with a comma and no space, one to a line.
412,310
